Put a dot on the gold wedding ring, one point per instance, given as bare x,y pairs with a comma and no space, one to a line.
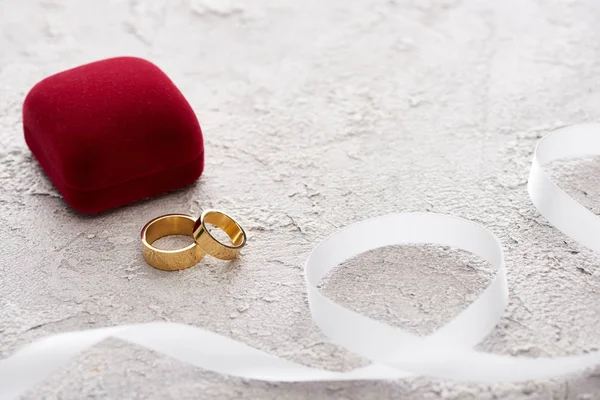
170,260
206,241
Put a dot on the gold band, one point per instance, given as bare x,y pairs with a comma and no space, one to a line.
212,246
170,260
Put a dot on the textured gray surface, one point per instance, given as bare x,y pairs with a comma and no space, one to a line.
316,114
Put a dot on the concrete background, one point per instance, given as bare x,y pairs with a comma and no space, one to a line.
316,114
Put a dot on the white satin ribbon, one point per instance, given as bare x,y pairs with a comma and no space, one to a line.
559,208
395,353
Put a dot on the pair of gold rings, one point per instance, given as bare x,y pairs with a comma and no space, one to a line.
204,241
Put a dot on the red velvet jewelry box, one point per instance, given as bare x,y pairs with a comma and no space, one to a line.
112,132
